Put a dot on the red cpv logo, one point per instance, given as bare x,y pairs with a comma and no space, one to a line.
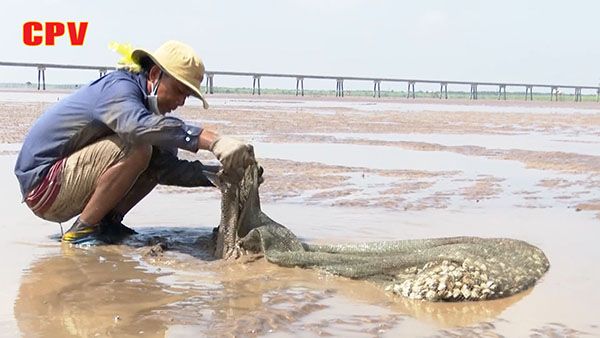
36,33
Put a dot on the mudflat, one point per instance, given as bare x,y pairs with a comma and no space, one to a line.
336,170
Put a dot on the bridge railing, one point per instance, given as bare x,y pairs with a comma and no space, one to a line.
339,91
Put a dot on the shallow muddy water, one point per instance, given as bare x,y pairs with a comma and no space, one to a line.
56,290
118,290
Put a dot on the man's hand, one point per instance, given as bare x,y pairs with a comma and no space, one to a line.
233,154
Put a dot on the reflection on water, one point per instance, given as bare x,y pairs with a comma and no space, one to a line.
515,182
370,105
89,292
123,290
585,144
383,157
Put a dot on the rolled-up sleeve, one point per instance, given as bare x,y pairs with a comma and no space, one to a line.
121,108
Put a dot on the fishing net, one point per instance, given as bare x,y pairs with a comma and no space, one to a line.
439,269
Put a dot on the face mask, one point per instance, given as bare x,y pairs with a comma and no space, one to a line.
153,97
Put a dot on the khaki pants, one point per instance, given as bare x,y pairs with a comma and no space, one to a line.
80,176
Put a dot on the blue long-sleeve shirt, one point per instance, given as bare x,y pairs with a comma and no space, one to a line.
115,103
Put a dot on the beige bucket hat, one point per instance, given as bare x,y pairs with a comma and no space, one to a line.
179,61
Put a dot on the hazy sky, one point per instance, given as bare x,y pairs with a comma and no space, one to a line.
539,41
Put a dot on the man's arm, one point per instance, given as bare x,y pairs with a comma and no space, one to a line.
167,169
121,108
206,138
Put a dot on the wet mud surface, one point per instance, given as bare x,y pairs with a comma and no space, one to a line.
335,171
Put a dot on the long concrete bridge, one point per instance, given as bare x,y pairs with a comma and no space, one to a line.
554,89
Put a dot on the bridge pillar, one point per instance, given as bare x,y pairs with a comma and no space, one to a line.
339,87
376,88
255,82
209,83
300,82
501,89
443,90
42,74
598,95
577,94
102,71
528,93
473,95
553,93
411,89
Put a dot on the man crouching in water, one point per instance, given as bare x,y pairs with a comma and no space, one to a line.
101,150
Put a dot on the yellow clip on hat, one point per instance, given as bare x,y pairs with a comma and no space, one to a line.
179,61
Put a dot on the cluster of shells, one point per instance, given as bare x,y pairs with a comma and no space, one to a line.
447,281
